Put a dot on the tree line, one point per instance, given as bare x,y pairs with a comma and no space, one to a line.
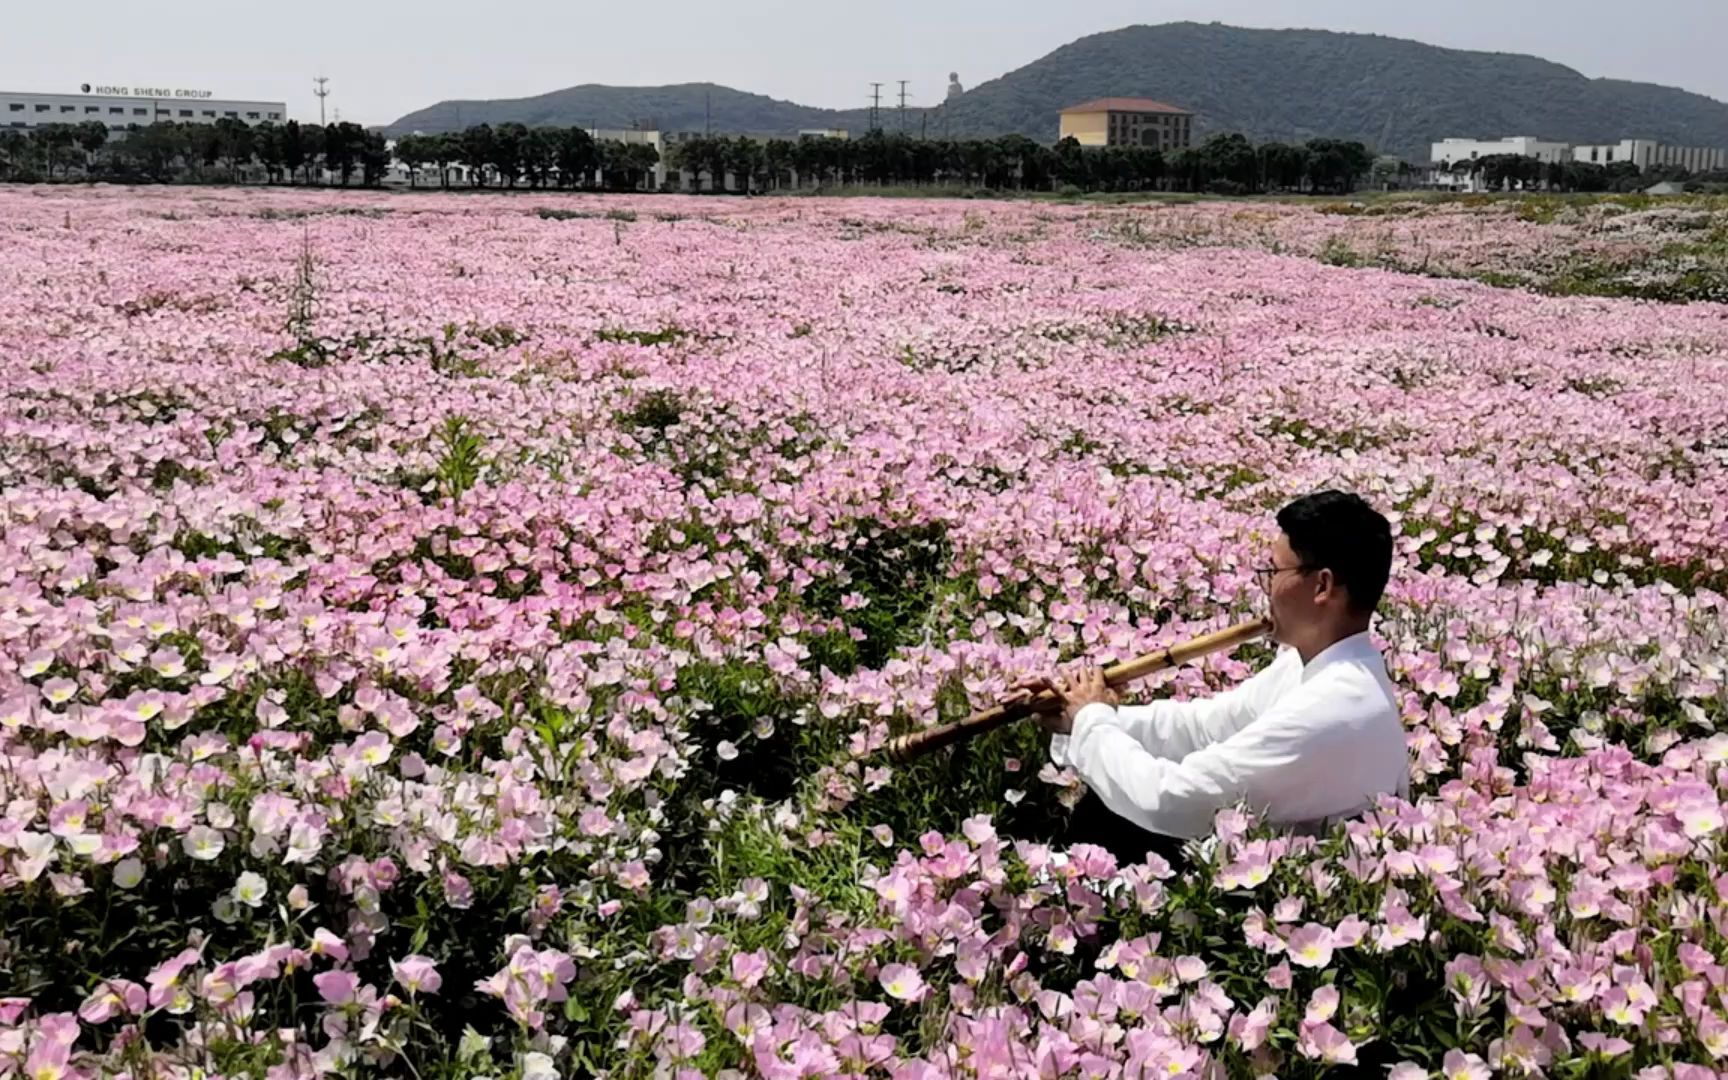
514,155
195,152
1223,164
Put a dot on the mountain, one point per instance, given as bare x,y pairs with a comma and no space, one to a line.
1395,95
684,107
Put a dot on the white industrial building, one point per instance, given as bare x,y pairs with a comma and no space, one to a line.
119,107
1646,153
1453,151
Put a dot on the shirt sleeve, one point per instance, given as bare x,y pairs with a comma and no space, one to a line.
1175,729
1276,761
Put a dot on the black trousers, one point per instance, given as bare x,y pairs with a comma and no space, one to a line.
1095,823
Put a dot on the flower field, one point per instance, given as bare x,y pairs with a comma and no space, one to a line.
448,636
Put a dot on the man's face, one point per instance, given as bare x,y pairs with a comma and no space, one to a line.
1289,590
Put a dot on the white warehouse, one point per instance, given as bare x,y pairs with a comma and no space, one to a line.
1647,152
1453,151
119,107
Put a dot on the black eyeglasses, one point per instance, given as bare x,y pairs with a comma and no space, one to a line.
1265,574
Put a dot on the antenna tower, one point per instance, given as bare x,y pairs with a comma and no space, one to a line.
323,92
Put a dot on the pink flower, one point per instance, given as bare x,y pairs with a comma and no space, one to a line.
1278,977
748,968
1311,946
1607,1046
324,943
1190,969
902,982
336,987
111,999
1406,1070
594,822
417,974
1323,1042
1323,1004
1459,1065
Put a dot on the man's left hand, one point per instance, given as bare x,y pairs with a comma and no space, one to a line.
1086,688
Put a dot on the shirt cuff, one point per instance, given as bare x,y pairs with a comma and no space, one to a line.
1061,745
1090,716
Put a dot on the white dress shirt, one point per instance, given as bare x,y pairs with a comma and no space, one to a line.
1299,744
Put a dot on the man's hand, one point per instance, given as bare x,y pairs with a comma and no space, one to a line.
1086,688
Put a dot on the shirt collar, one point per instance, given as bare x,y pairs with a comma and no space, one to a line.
1355,647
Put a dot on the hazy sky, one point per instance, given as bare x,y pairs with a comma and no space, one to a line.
388,57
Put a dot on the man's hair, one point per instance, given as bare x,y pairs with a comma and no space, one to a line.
1340,532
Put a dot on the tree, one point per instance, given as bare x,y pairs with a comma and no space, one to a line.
229,140
477,152
374,153
344,145
448,151
507,146
1282,166
155,148
539,155
575,157
14,151
267,146
293,148
415,151
777,160
1231,160
92,135
315,161
1335,165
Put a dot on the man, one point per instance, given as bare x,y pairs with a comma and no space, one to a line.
1313,738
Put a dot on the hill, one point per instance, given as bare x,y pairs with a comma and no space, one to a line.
683,107
1393,94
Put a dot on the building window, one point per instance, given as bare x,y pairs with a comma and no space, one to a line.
16,106
235,115
1610,154
115,110
42,108
91,110
185,112
140,112
275,116
68,108
209,112
251,116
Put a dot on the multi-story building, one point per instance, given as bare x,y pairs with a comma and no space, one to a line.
1646,153
1456,151
1121,121
119,107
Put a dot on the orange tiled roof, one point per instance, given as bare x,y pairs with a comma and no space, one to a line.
1125,104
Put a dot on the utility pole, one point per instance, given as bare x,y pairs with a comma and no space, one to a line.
323,92
708,113
875,106
902,106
